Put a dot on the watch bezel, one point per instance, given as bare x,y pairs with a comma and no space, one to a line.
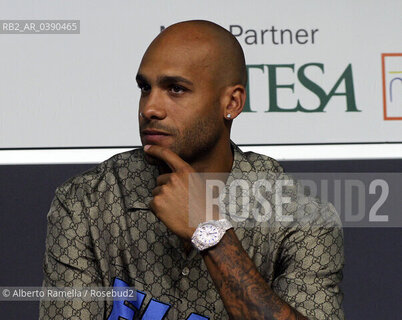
220,225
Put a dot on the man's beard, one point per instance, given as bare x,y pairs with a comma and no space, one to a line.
196,141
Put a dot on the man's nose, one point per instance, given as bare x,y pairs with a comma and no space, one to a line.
153,106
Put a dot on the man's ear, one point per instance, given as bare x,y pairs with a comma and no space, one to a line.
235,98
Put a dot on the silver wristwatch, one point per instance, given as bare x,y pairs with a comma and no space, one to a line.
208,234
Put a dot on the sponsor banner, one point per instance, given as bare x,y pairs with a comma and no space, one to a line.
319,73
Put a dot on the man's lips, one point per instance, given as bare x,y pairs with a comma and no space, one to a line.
152,136
154,132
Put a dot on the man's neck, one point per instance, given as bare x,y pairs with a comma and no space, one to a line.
220,159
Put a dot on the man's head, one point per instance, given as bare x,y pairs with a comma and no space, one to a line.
191,77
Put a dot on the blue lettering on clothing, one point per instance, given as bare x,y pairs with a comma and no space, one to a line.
195,316
155,309
119,308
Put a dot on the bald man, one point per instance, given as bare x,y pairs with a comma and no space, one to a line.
129,222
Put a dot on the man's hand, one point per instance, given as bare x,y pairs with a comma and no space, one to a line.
244,292
173,191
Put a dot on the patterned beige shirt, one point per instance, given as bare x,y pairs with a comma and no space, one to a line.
101,232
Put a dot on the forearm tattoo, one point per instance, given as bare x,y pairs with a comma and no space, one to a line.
244,292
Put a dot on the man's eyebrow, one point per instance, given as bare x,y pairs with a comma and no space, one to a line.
173,79
163,80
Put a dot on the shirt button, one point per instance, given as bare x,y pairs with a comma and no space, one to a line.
185,271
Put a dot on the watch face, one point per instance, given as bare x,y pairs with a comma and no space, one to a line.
209,234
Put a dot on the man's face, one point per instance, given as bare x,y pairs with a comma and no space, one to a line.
179,101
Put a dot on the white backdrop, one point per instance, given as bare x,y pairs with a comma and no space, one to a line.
79,90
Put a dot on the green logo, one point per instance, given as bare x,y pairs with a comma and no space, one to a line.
273,86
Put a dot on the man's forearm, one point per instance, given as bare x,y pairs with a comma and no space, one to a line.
243,290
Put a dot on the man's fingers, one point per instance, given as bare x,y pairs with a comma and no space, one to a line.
168,156
163,179
156,191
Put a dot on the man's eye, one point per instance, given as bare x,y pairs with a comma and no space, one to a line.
177,89
144,88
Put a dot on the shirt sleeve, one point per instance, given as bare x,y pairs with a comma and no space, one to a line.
310,268
69,262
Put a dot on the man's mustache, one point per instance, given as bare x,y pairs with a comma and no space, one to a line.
157,126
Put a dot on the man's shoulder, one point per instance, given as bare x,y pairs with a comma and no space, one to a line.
102,175
260,162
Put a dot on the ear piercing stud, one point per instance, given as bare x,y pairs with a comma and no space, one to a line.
228,116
